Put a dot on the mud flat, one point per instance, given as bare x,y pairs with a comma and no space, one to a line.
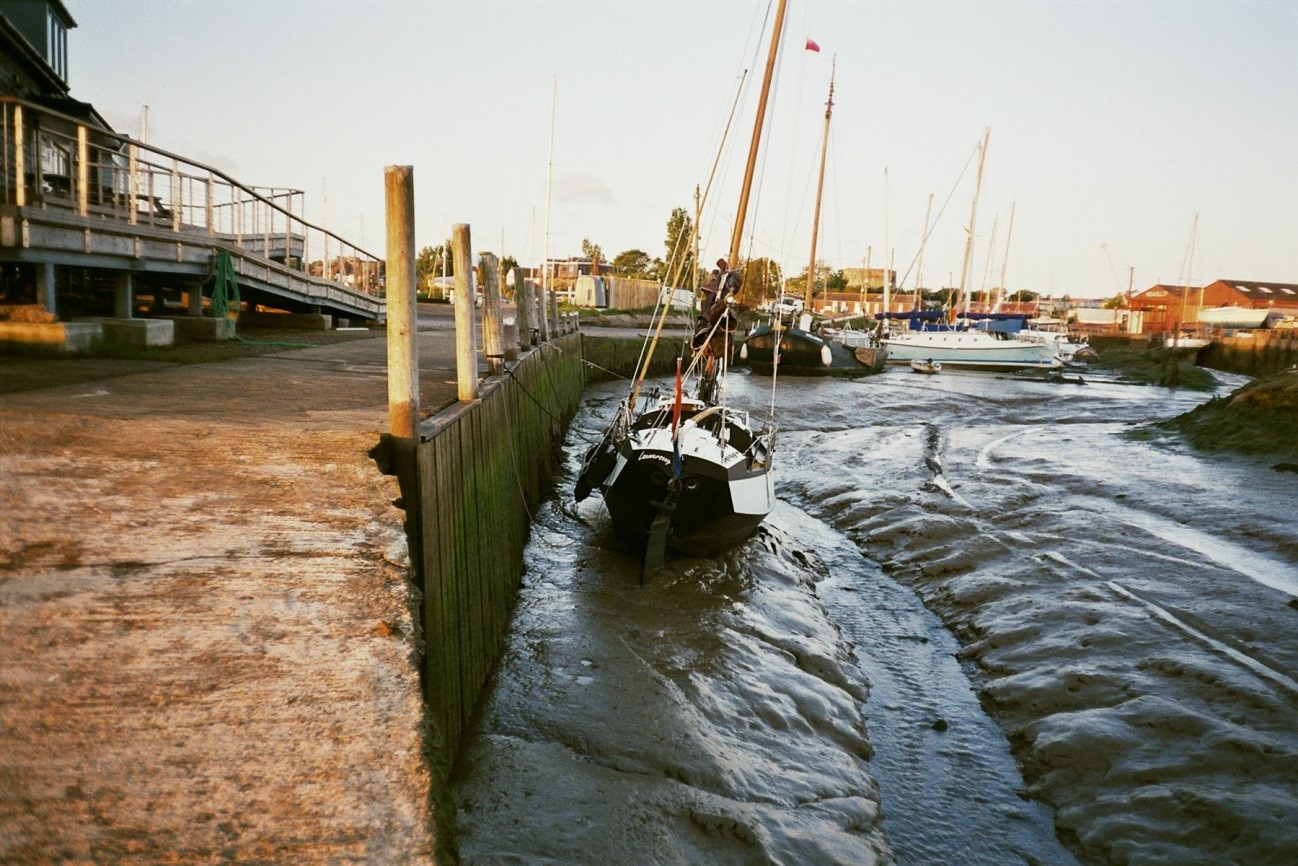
713,716
1125,606
1140,364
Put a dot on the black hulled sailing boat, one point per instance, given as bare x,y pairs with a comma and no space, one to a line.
791,343
687,472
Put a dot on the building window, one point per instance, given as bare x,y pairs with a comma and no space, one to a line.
56,49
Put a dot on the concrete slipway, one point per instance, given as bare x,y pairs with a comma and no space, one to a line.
209,651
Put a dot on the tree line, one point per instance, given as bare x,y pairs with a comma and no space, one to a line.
678,267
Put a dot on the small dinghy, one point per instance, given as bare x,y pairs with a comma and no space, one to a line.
927,366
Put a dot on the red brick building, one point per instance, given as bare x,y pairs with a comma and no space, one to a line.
1166,307
1251,295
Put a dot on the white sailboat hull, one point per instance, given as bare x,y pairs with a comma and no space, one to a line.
976,350
1067,349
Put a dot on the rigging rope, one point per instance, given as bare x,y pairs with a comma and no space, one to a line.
937,219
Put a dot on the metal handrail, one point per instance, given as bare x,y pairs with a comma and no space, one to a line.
145,183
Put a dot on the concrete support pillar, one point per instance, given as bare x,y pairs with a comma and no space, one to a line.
123,295
46,296
195,293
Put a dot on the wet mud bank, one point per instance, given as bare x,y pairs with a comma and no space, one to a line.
712,716
1137,362
986,625
1124,606
1252,353
951,790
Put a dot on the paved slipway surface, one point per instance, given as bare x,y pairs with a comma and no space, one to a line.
208,651
991,621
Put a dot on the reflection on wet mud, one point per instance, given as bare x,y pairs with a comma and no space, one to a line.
711,716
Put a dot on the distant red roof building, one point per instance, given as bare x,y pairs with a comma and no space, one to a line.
1165,307
1250,294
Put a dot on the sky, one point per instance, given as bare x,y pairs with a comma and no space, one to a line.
1113,124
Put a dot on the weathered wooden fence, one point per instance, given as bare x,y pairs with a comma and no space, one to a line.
483,468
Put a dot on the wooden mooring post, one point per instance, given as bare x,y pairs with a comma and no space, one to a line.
492,334
542,317
525,303
403,350
466,338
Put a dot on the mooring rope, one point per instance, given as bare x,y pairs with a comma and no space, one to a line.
513,459
523,388
606,370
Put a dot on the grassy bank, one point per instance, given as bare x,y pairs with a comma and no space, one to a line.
1259,418
1140,363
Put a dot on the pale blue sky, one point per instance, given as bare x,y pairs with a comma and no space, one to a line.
1113,122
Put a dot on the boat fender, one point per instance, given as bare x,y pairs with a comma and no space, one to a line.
826,356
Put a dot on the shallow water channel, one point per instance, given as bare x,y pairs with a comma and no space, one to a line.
986,624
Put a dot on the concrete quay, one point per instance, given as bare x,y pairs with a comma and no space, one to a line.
210,638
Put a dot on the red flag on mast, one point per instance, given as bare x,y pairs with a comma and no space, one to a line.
812,46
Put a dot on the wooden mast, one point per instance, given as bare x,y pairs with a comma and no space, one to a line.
820,185
755,145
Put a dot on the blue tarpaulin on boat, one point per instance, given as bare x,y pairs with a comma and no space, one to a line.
997,323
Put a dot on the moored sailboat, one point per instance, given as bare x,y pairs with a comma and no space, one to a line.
793,346
1188,338
967,346
691,474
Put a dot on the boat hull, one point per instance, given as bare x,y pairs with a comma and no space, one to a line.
803,353
971,350
717,508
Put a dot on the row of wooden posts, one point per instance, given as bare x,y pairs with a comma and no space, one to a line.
473,474
502,337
